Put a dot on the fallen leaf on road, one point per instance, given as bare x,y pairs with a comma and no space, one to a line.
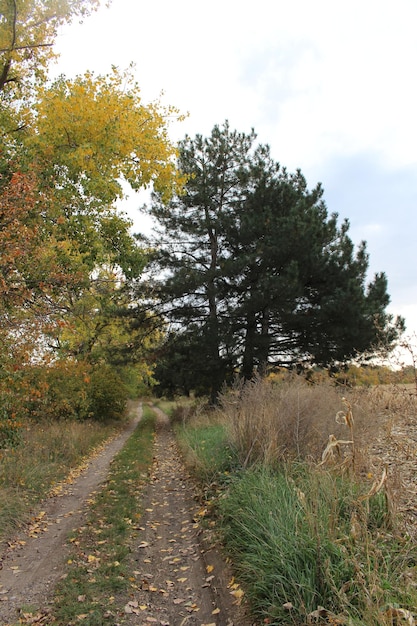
92,559
238,595
30,618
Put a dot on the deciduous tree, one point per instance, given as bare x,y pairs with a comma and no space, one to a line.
28,29
68,148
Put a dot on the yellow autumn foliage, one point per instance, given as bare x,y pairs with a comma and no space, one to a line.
28,29
99,131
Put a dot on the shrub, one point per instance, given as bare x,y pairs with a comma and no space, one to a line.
10,429
55,391
71,390
107,395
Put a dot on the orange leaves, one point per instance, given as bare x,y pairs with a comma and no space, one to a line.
18,235
34,260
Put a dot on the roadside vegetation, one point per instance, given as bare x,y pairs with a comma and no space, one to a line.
310,524
256,274
43,456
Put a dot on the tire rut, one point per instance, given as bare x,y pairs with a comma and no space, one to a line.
180,579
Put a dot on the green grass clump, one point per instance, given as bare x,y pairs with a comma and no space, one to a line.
167,406
207,451
99,565
304,529
292,539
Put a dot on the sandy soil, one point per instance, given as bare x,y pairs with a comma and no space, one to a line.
181,580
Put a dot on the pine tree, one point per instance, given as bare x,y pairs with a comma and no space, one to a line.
256,272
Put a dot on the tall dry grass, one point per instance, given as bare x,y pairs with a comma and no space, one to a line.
322,533
269,422
49,450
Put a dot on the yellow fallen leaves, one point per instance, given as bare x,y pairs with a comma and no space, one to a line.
38,525
133,607
74,473
238,595
236,591
92,559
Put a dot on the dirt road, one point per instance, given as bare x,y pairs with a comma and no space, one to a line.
32,566
179,581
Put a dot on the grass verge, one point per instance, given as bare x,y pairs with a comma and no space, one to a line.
302,539
47,453
98,566
311,543
207,452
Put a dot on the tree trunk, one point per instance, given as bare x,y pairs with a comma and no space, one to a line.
264,343
249,351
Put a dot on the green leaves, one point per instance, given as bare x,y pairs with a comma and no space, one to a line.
27,32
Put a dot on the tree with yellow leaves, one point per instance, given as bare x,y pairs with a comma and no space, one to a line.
98,130
67,150
28,29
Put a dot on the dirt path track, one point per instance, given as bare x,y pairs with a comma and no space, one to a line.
178,581
31,569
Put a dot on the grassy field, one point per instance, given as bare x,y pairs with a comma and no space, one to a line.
305,518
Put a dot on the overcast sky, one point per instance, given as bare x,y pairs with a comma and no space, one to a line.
330,85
